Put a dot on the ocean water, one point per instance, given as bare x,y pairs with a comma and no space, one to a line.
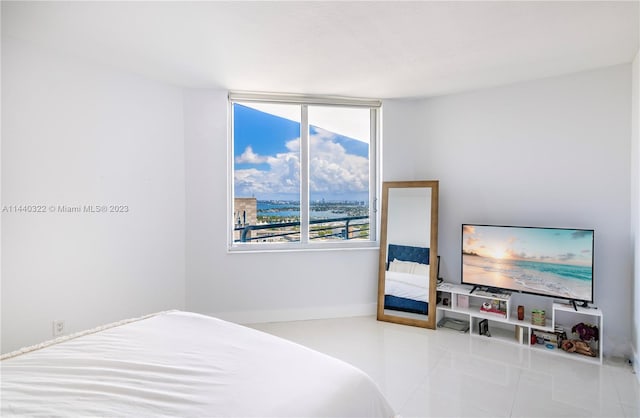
314,214
562,280
290,210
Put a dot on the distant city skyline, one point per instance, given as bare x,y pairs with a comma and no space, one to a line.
267,160
316,201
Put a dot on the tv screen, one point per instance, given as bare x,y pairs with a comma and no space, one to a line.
555,262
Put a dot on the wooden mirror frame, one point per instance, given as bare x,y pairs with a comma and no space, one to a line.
430,320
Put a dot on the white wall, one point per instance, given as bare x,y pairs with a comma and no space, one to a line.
254,287
635,210
406,220
78,134
399,119
552,152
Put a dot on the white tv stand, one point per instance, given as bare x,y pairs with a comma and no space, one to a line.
507,328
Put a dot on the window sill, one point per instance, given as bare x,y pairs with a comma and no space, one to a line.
269,248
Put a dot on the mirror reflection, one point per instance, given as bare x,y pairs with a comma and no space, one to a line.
408,260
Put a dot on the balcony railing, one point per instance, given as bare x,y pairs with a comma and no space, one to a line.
336,228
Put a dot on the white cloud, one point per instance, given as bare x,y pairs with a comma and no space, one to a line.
293,145
332,170
282,177
250,157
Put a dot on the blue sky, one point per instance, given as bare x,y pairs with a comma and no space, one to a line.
267,163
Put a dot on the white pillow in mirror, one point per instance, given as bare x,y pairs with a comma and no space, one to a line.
421,269
410,267
401,266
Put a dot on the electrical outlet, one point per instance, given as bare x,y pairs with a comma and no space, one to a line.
58,327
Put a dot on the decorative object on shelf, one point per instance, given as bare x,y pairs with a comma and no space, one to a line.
577,346
520,312
445,287
586,332
587,344
519,334
483,328
456,324
538,317
561,335
463,301
546,337
495,306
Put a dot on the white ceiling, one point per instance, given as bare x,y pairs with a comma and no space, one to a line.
383,49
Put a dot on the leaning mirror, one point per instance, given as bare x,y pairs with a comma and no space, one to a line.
407,272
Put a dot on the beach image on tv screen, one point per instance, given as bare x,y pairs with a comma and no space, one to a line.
553,262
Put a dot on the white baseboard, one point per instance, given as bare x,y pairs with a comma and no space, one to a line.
302,314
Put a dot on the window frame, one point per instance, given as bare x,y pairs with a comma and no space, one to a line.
375,107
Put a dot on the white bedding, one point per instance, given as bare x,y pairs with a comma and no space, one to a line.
406,285
187,365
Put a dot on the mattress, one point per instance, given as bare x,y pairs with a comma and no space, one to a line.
183,364
405,285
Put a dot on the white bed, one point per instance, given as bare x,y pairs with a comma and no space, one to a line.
407,279
187,365
406,285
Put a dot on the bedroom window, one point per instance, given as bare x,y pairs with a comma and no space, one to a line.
303,172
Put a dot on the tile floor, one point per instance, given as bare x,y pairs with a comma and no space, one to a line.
443,373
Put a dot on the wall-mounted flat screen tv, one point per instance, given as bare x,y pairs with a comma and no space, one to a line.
554,262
